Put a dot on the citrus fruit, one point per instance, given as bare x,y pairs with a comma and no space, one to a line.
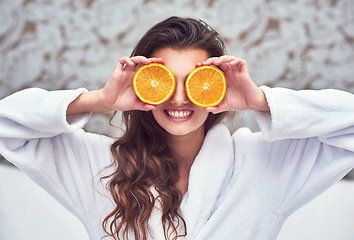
206,86
154,83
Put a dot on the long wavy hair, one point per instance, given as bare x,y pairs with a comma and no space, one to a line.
142,156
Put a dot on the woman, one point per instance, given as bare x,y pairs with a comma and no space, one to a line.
185,177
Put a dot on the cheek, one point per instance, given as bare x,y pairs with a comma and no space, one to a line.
158,115
202,114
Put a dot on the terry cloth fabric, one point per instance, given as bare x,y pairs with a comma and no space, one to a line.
241,186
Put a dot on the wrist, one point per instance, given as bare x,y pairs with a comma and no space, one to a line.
90,101
261,104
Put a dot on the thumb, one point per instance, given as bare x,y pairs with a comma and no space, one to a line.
214,110
145,107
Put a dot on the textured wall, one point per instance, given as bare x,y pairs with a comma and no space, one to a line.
75,43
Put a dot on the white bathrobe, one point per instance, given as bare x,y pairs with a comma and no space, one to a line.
241,186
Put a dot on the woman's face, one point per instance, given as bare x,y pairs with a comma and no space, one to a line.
179,116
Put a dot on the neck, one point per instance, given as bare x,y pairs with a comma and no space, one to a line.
185,149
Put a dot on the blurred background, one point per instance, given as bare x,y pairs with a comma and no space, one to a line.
67,44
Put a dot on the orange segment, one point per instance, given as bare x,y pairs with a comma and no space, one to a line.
206,86
154,83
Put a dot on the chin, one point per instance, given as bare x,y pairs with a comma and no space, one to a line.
179,132
184,130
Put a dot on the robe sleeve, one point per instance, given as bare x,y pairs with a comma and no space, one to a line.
51,148
307,145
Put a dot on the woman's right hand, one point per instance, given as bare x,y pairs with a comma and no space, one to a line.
118,93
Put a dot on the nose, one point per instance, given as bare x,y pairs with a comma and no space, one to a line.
179,98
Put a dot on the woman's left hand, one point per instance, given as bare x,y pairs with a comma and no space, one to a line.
242,93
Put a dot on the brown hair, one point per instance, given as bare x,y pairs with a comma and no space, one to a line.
143,155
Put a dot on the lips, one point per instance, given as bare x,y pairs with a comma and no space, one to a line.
179,114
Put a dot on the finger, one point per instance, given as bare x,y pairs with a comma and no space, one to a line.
144,107
130,63
208,62
214,110
135,63
239,64
224,59
222,62
144,60
140,60
225,66
148,107
139,66
156,60
124,62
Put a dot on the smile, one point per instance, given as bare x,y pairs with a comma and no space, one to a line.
179,114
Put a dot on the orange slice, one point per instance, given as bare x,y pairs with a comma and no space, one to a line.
154,83
206,86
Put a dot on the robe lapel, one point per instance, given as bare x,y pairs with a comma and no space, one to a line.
209,175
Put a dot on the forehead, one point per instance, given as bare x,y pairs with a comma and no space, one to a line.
181,61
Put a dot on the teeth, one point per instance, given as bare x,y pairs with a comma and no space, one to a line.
179,114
